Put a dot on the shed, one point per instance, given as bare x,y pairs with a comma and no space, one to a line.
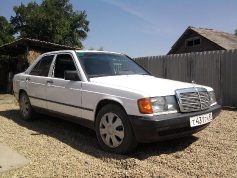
20,54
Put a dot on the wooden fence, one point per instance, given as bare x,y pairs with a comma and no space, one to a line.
217,69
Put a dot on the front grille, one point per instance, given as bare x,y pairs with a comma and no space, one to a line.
193,99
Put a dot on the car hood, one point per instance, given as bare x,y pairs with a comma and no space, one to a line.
146,84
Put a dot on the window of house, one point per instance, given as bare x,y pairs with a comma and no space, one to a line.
193,42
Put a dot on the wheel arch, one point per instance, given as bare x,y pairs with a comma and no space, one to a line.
105,102
20,92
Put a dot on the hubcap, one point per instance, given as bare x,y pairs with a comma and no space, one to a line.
111,130
24,106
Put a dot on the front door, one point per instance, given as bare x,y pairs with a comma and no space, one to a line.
64,96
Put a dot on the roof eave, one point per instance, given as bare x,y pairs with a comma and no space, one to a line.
179,39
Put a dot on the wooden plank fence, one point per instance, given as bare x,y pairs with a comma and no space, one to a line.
217,69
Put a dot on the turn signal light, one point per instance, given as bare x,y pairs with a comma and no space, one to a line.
145,106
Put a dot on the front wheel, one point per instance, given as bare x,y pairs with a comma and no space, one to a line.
26,109
114,131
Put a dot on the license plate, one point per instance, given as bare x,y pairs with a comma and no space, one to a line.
200,120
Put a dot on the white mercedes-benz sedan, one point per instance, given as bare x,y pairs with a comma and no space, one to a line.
115,96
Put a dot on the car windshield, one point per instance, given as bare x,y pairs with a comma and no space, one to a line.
109,64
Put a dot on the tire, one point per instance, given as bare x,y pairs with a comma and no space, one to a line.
114,131
26,111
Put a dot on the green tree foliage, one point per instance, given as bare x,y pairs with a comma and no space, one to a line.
6,31
100,49
53,21
236,32
91,48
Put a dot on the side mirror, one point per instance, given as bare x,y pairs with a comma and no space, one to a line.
71,75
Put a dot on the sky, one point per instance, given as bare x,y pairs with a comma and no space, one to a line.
141,28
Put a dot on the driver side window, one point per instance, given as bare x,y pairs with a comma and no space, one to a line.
63,62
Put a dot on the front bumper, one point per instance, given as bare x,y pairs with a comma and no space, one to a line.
169,126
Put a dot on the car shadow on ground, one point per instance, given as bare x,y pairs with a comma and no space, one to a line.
229,108
84,139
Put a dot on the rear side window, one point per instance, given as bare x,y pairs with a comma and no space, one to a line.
42,67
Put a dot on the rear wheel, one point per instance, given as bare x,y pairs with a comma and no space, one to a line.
26,109
114,131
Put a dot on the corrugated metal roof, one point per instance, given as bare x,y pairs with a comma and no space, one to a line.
19,46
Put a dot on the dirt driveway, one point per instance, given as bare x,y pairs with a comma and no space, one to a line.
56,148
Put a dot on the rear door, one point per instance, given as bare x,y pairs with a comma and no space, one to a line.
36,81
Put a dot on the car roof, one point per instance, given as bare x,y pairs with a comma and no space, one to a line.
81,51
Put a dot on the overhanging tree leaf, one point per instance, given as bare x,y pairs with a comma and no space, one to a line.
6,31
53,21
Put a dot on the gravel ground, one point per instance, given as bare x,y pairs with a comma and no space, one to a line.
56,148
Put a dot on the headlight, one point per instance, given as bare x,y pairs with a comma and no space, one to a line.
158,105
212,98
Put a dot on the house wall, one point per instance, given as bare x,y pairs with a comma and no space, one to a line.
205,45
8,68
2,78
24,60
16,65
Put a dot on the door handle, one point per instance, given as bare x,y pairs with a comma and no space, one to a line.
49,81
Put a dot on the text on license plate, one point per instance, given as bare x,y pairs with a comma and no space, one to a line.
200,120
